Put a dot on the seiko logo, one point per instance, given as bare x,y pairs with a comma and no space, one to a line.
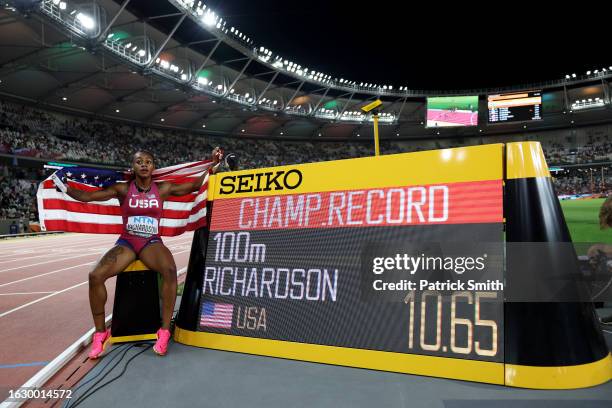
269,181
139,203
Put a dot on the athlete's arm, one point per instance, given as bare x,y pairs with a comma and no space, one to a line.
217,155
167,189
110,192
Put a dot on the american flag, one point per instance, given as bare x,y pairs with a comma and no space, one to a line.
217,315
60,212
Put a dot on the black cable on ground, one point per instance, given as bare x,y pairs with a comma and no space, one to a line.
100,373
73,403
107,361
94,390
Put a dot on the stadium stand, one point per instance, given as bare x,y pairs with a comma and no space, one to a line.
31,132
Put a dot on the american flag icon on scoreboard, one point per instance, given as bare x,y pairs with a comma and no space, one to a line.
217,315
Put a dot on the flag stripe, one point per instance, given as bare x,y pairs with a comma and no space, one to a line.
217,325
92,228
176,214
186,167
51,192
71,216
171,209
216,315
58,211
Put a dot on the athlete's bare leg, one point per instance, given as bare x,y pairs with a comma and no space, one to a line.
111,264
159,258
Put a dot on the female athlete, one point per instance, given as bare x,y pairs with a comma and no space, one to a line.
141,209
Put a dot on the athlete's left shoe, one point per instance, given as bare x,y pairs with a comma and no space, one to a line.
161,345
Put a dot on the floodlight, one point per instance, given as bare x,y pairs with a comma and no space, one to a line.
209,18
86,21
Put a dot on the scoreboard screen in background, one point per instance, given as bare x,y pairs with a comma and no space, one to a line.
452,111
516,107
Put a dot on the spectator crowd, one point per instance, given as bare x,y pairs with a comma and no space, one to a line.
32,132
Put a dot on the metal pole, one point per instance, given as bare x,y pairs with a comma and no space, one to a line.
604,85
314,110
294,94
203,64
345,106
168,37
267,87
242,71
102,36
376,145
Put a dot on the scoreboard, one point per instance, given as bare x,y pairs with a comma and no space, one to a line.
397,263
295,255
516,107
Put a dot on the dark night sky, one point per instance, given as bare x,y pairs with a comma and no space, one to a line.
430,46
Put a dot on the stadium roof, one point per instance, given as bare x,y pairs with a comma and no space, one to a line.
171,70
422,45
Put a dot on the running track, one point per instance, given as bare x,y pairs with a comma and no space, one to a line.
44,305
448,118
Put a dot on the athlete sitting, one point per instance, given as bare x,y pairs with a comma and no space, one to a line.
140,198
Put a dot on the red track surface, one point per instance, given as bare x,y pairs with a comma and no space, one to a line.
449,118
44,305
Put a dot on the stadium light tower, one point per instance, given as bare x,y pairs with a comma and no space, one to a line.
374,107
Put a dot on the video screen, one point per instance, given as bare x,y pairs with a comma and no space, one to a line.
451,111
515,107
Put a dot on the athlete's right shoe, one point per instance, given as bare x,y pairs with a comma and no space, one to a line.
100,340
161,345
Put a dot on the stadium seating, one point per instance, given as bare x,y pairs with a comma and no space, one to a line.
30,132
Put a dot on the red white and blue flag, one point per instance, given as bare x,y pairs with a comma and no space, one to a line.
60,212
217,315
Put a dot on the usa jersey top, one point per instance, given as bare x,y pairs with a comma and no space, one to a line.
141,212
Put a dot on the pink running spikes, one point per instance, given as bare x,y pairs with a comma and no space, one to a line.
161,345
100,340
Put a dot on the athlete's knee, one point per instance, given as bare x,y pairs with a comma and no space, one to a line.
168,271
97,277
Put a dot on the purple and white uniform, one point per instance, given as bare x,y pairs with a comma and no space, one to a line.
141,213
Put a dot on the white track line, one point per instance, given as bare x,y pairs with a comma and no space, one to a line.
25,293
59,259
69,238
41,377
25,250
57,293
55,239
46,273
34,250
71,241
8,312
74,250
69,267
54,254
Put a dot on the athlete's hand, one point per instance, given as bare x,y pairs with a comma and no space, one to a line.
217,155
59,183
